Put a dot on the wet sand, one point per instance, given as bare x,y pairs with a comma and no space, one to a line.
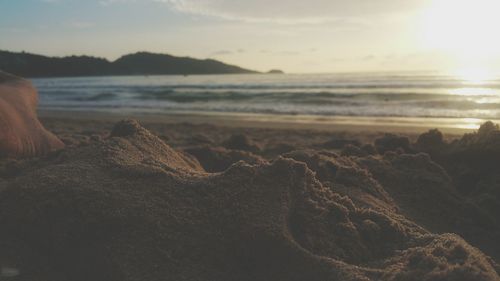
453,126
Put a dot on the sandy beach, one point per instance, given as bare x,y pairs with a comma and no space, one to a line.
197,198
222,140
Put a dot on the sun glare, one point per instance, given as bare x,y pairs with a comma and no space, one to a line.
466,31
474,76
467,28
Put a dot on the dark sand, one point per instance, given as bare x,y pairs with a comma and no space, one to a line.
180,201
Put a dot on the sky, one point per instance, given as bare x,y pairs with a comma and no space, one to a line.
295,36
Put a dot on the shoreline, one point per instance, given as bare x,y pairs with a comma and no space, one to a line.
449,126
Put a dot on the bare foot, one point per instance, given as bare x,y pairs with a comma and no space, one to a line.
21,134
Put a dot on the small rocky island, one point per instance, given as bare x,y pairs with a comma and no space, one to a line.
276,71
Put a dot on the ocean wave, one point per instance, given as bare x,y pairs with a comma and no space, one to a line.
423,96
265,86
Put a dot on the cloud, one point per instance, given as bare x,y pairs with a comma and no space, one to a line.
369,57
227,52
289,53
293,11
341,12
222,53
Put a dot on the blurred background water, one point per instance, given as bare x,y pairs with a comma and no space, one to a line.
360,94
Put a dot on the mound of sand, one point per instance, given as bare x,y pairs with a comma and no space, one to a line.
345,177
338,143
425,194
241,142
391,142
471,162
132,208
219,159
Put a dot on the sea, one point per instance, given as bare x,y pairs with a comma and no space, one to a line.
348,95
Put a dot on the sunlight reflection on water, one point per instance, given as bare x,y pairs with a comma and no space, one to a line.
473,92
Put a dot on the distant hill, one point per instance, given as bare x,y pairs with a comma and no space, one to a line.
276,71
142,63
